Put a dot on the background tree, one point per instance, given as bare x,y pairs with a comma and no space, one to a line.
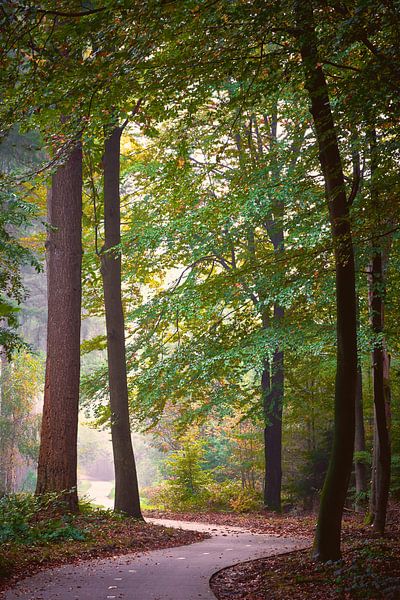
126,484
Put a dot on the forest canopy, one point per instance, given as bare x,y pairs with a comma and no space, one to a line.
221,246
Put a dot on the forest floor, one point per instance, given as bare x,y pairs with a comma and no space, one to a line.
102,534
370,567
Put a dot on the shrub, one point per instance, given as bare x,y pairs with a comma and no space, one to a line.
221,494
247,500
27,519
187,486
150,496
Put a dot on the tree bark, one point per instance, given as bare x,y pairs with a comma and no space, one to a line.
380,360
58,448
273,401
328,533
380,374
126,484
272,384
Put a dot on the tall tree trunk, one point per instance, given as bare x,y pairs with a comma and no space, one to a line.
359,446
380,362
126,484
273,389
328,533
273,402
58,447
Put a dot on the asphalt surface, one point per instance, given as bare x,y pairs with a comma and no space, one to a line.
181,573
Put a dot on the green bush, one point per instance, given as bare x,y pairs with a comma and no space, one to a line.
215,496
230,495
172,498
27,519
193,487
187,486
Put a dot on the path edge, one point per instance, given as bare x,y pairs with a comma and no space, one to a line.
287,552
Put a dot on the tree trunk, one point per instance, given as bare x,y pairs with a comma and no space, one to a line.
380,359
58,448
273,400
273,390
359,446
328,533
126,485
380,362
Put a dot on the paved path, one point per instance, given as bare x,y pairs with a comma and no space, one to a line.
181,573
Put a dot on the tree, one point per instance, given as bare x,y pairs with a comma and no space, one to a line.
126,484
327,539
223,219
58,445
380,358
188,480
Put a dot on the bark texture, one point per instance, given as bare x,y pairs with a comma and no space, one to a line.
380,373
58,447
274,397
272,382
328,533
381,462
126,484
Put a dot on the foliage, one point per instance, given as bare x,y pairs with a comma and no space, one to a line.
21,382
245,500
15,216
309,479
21,522
221,155
186,486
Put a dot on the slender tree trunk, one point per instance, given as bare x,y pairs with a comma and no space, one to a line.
273,390
273,401
380,361
359,446
328,533
58,448
126,484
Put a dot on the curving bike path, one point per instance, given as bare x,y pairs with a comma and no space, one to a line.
180,573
